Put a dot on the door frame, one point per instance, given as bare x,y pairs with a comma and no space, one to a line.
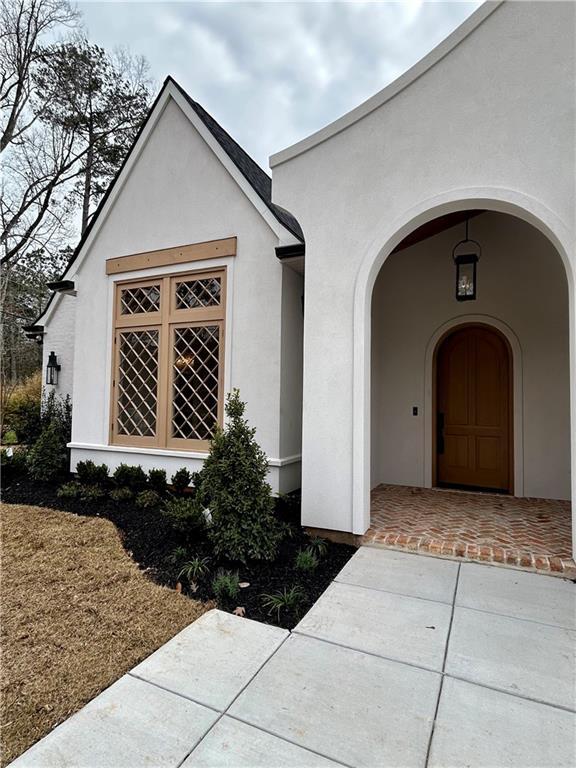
459,326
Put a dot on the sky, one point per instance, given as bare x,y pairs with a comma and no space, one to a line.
271,73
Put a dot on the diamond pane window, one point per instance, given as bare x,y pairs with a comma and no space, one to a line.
135,300
138,383
194,294
195,367
169,353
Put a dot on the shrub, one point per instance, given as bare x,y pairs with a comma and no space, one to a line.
157,480
10,437
13,464
92,493
232,484
57,410
89,473
306,560
22,409
185,516
194,569
318,545
286,601
226,586
181,480
148,499
48,458
72,490
127,476
121,494
177,555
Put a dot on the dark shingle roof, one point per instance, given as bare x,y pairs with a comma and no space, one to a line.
258,179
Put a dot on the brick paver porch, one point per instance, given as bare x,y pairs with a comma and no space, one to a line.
534,534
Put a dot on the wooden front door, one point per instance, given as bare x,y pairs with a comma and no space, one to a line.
473,440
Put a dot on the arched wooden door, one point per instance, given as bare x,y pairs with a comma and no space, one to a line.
473,404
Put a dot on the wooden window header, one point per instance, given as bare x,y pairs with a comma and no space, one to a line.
182,254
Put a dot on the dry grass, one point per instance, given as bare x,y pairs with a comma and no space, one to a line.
76,615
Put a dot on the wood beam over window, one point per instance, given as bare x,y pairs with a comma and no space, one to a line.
182,254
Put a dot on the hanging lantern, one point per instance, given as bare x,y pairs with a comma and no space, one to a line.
52,369
466,255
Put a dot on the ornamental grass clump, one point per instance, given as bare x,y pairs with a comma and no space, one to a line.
232,486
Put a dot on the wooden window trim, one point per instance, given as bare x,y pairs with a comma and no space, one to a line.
181,254
166,320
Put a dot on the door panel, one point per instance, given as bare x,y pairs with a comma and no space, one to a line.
473,402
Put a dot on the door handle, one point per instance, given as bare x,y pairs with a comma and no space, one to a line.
440,433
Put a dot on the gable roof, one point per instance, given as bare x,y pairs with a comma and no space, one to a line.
256,177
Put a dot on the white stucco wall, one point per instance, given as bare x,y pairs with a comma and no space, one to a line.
178,192
491,124
59,338
522,284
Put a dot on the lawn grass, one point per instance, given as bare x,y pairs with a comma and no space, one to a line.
77,613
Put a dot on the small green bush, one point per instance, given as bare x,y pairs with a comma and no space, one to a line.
178,555
306,560
121,494
181,480
10,437
157,480
226,586
318,545
48,457
286,601
195,569
89,473
185,516
71,490
148,499
127,476
92,493
232,485
22,409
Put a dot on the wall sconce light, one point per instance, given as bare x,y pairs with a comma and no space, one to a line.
52,369
466,255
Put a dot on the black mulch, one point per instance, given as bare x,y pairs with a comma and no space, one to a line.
151,542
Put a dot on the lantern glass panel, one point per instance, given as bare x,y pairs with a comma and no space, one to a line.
466,279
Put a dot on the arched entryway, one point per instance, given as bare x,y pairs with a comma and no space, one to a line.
500,376
472,434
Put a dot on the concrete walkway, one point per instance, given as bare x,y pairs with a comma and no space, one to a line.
405,660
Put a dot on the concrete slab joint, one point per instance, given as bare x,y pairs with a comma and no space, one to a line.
404,660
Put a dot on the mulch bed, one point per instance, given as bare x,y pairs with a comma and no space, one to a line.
150,541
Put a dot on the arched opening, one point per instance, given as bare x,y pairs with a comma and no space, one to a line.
499,375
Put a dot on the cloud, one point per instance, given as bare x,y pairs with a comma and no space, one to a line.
274,72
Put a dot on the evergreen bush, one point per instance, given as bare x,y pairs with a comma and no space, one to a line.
157,480
127,476
48,457
89,473
181,480
232,485
185,517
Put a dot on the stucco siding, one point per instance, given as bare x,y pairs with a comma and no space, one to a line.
493,119
178,192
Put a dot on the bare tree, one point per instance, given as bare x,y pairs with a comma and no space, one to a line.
22,24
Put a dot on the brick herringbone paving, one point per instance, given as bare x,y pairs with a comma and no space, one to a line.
524,533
